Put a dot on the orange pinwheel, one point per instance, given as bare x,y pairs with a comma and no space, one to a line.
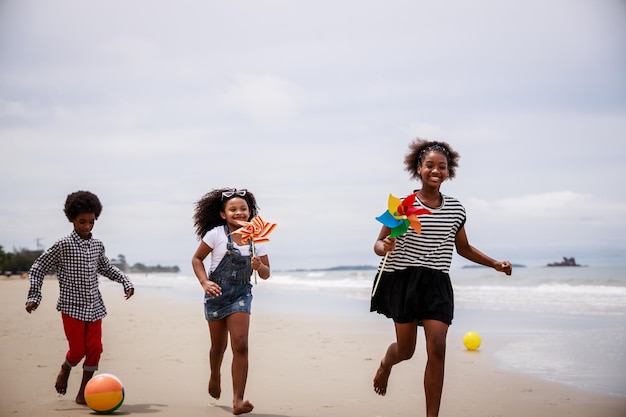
257,229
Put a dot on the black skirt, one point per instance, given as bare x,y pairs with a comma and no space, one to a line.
415,293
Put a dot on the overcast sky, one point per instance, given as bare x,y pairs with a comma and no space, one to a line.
311,105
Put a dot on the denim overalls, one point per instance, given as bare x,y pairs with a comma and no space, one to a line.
233,276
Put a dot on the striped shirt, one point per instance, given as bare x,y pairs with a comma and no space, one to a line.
78,263
433,247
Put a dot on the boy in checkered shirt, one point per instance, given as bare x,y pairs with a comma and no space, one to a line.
78,259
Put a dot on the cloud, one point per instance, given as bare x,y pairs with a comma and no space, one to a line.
548,223
12,109
312,105
265,99
551,206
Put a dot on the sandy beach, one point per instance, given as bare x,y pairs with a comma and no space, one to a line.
301,365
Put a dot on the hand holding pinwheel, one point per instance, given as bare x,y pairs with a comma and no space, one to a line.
256,230
400,215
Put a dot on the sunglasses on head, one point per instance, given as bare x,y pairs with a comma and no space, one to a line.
232,192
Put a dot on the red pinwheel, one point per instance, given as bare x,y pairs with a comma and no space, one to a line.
256,230
400,215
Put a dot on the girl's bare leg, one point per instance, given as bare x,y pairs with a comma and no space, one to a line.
238,326
219,341
401,350
436,333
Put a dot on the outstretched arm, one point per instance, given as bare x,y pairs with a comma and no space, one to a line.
107,269
43,264
467,251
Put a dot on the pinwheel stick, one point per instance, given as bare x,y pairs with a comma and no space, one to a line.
379,274
253,255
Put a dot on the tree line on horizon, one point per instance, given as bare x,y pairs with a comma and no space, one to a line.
20,260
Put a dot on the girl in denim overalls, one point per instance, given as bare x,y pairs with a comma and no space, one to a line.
227,287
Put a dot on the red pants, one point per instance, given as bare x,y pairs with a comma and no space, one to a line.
85,340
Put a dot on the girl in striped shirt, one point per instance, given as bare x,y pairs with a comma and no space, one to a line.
414,288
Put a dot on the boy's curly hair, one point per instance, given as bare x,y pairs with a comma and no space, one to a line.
419,147
206,215
80,202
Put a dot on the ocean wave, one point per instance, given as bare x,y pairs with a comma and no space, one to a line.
539,290
561,298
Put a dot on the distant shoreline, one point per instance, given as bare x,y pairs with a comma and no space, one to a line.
333,268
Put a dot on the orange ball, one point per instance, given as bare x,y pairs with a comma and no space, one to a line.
104,393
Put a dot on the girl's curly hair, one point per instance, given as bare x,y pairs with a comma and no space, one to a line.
419,147
206,215
80,202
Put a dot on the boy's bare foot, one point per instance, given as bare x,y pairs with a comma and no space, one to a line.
80,397
215,386
64,375
242,408
381,379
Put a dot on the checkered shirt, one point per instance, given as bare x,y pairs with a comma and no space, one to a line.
78,263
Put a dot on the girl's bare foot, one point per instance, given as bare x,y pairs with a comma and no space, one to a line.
381,379
215,386
64,375
242,408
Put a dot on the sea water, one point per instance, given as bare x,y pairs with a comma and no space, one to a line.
564,324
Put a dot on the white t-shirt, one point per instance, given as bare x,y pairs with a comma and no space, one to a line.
216,239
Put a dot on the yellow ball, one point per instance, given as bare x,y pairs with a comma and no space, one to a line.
471,340
104,393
